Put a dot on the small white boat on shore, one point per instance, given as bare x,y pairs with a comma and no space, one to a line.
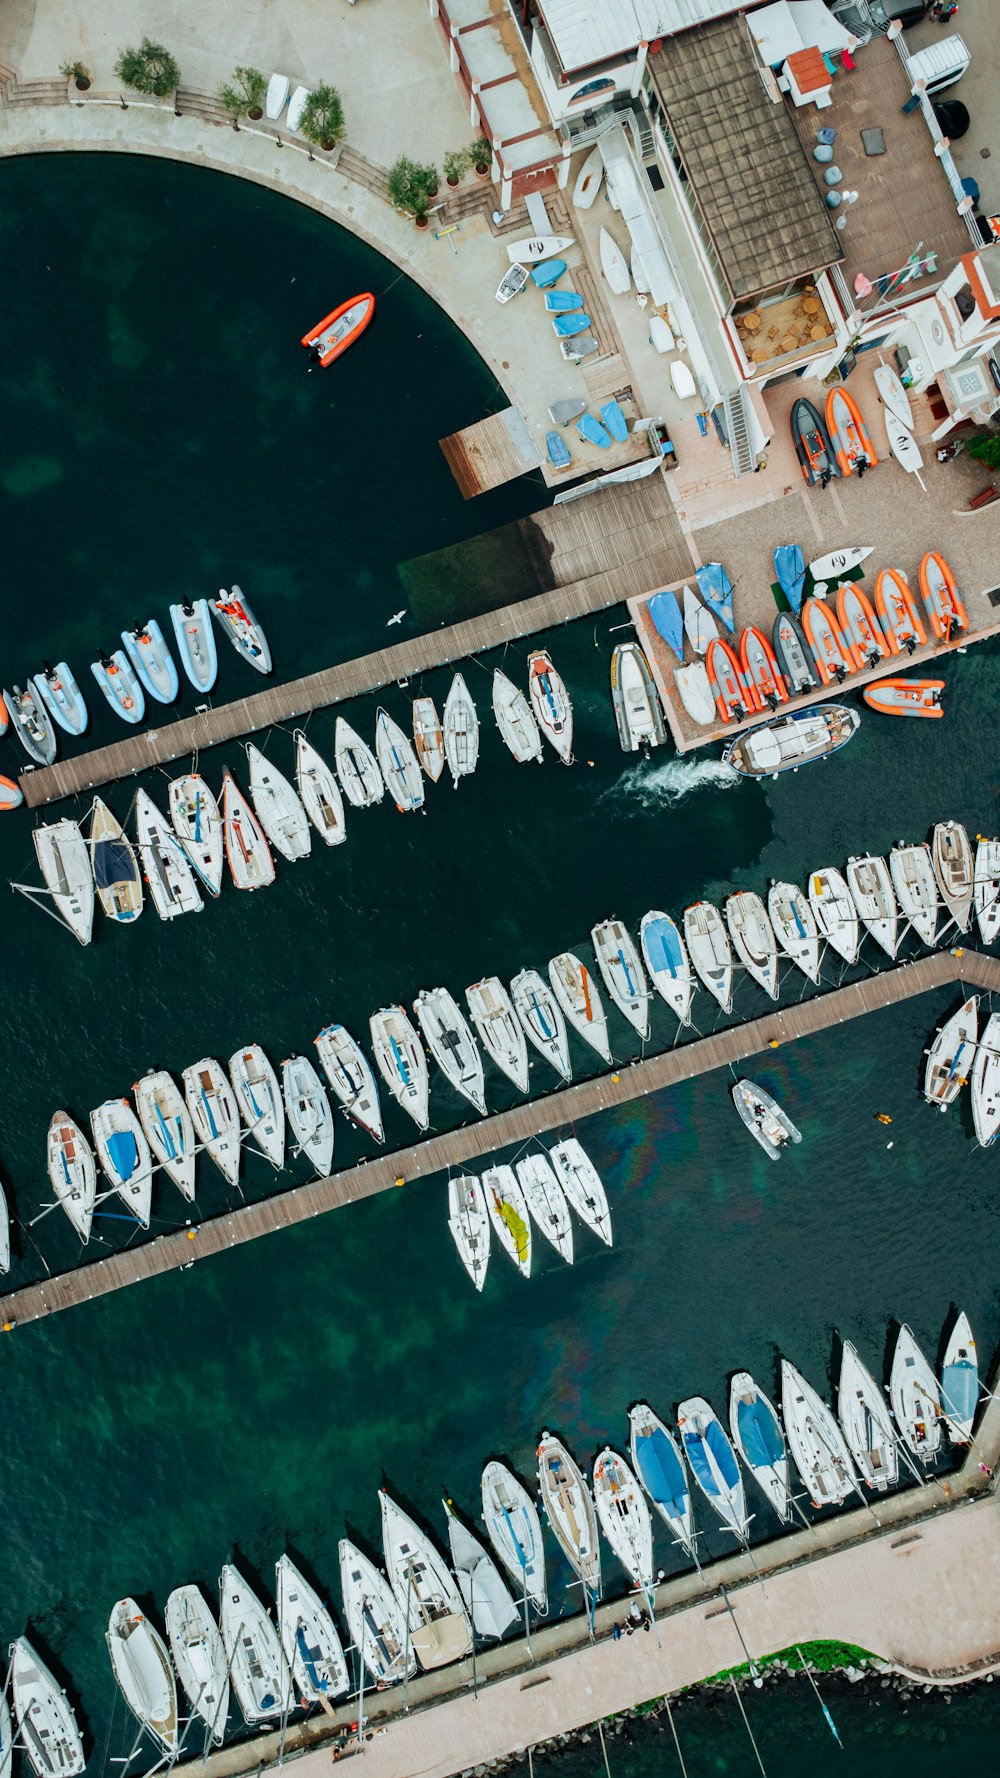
507,1209
448,1037
168,873
951,1055
142,1668
638,714
815,1440
764,1118
357,768
258,1096
713,1463
167,1124
695,692
62,698
212,1105
199,1657
469,1222
44,1715
866,1423
960,1382
985,1082
311,1646
551,704
986,889
308,1111
72,1172
247,851
913,1392
398,764
757,1434
657,1461
753,935
589,180
197,823
893,396
346,1068
710,951
426,1592
902,444
870,884
373,1618
579,997
955,871
319,791
116,873
195,638
401,1061
836,912
541,1017
622,972
461,730
535,248
236,620
913,879
148,652
515,1531
794,925
515,721
64,862
583,1186
31,724
570,1511
484,1591
499,1029
428,738
546,1201
624,1517
257,1667
278,809
614,265
124,1155
667,961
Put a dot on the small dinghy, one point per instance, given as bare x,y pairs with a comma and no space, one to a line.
897,612
752,934
905,697
62,698
589,180
247,851
624,1517
667,962
903,445
461,730
170,879
236,620
72,1172
913,1392
451,1043
713,1463
546,1202
484,1592
816,1441
870,883
566,327
764,1118
557,451
583,1186
312,1649
256,1665
622,972
636,705
11,795
839,562
578,995
124,1155
563,413
514,1529
867,1427
913,880
428,738
167,1124
665,614
541,1018
790,568
142,1668
307,1109
986,889
551,704
539,247
794,926
330,338
278,809
120,686
561,302
198,825
152,660
499,1029
212,1105
695,692
116,873
346,1068
815,453
859,626
319,791
543,275
31,724
716,589
790,654
960,1383
373,1618
833,655
64,862
199,1657
615,421
425,1589
893,395
658,1463
756,1432
760,671
835,910
570,1511
357,768
45,1718
401,1061
195,639
728,687
710,951
951,1055
507,1209
398,764
681,381
614,265
469,1222
699,623
258,1096
955,871
848,433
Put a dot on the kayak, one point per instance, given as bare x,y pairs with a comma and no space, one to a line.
905,697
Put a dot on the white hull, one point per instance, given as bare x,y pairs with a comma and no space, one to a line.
195,640
579,997
425,1590
169,877
515,1531
499,1029
699,623
570,1511
954,869
637,712
309,1641
486,1598
401,1061
987,889
753,935
893,395
257,1668
913,880
72,1172
377,1629
667,961
794,925
542,1020
152,660
320,792
836,914
951,1055
986,1083
715,1470
62,698
168,1128
960,1383
357,767
461,730
451,1043
398,764
583,1186
515,721
214,1115
622,972
547,1203
614,265
913,1392
871,888
710,951
124,1155
534,248
624,1517
816,1441
903,445
64,862
278,809
867,1427
695,692
236,620
551,705
657,1461
508,1212
468,1220
198,825
839,562
44,1716
589,180
199,1657
307,1108
116,873
142,1668
258,1096
428,738
346,1068
756,1432
247,851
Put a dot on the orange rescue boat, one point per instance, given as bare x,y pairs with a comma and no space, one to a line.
833,656
897,610
848,433
944,607
760,670
905,697
729,689
331,337
860,625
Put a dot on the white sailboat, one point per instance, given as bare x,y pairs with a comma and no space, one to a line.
213,1111
583,1186
912,874
666,958
428,738
986,889
169,1131
258,1096
44,1715
116,873
507,1209
310,1117
401,1061
247,851
311,1646
836,913
451,1043
64,862
469,1222
199,1657
758,1437
346,1068
960,1383
753,935
955,871
713,1463
168,873
514,719
546,1201
278,809
816,1441
124,1155
357,767
794,925
319,791
398,764
867,1426
461,730
570,1511
426,1592
142,1668
72,1172
373,1618
551,704
985,1083
710,951
579,997
951,1055
197,823
257,1667
624,1517
487,1599
542,1019
498,1028
515,1531
913,1392
871,887
622,972
658,1463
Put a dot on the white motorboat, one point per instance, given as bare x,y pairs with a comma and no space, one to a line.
170,879
960,1382
542,1019
870,884
62,697
622,972
116,873
31,723
195,639
551,704
451,1043
398,763
124,1155
713,1463
498,1028
951,1056
278,809
986,889
247,851
461,730
236,620
118,681
507,1209
515,721
638,715
583,1186
428,738
401,1061
319,791
257,1667
44,1714
835,910
794,925
64,862
955,871
142,1668
589,180
658,1463
469,1222
614,265
764,1118
570,1511
311,1646
148,652
310,1117
357,767
913,1392
579,997
169,1131
624,1517
515,1531
199,1657
546,1201
699,622
666,958
753,935
373,1618
198,825
212,1105
985,1083
425,1589
815,1440
912,874
484,1591
346,1068
258,1096
866,1422
710,951
758,1437
72,1172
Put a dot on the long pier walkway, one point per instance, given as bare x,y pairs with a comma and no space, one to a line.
521,1123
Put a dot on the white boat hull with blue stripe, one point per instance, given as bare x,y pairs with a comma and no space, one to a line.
259,1099
167,1124
312,1649
515,1531
124,1155
713,1463
757,1435
960,1383
198,825
346,1068
213,1111
667,961
542,1020
398,764
401,1061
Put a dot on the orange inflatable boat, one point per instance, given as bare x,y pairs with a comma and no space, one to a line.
897,610
848,433
331,337
10,794
760,670
860,625
905,697
731,694
944,607
833,656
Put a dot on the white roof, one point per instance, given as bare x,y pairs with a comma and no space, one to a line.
595,31
789,25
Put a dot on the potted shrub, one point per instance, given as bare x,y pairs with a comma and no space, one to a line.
432,181
149,69
456,163
481,152
78,74
322,119
410,188
985,448
244,96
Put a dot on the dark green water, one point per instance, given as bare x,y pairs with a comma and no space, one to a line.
259,1400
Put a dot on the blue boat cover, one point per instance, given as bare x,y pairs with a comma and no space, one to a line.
549,272
615,421
567,325
960,1389
762,1440
666,615
661,1473
713,1440
558,450
593,431
123,1153
562,301
790,567
716,589
664,946
113,863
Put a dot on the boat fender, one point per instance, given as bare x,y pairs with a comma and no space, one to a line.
883,1117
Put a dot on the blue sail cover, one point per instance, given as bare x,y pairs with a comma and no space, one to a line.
661,1473
789,566
123,1153
664,946
762,1440
666,615
113,863
716,589
960,1390
713,1440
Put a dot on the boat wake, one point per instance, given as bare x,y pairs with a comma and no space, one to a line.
666,785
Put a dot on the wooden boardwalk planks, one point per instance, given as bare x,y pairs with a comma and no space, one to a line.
490,452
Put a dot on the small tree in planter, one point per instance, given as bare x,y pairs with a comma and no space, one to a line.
481,153
245,96
78,73
985,448
149,69
456,163
322,119
410,188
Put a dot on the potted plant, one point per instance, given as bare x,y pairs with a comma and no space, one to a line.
481,152
985,448
456,162
78,74
244,96
322,119
149,69
410,188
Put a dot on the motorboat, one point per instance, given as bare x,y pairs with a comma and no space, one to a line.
583,1186
541,1018
31,724
667,961
906,697
815,1440
941,597
699,623
870,883
309,1114
507,1209
124,1155
168,874
830,650
62,698
200,1659
665,613
468,1220
64,862
791,654
760,671
756,1432
310,1644
694,689
546,1202
515,1531
357,768
753,936
716,589
951,1055
44,1715
330,338
319,791
848,433
624,1517
589,180
838,562
373,1618
790,568
551,704
913,880
794,925
515,721
212,1105
116,873
484,1592
657,1461
709,950
167,1126
398,764
867,1426
258,1096
461,730
152,660
195,639
580,999
897,611
346,1068
448,1037
426,1591
767,1122
197,822
498,1028
815,453
733,701
570,1511
235,619
960,1382
713,1463
401,1061
247,851
257,1666
428,738
538,247
913,1392
277,807
622,972
986,889
955,871
72,1172
142,1668
637,707
859,626
118,681
835,910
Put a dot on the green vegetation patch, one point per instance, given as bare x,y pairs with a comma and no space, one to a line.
824,1657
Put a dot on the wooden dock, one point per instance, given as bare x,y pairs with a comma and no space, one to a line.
490,452
523,1123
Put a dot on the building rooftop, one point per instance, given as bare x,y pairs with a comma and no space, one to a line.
585,33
